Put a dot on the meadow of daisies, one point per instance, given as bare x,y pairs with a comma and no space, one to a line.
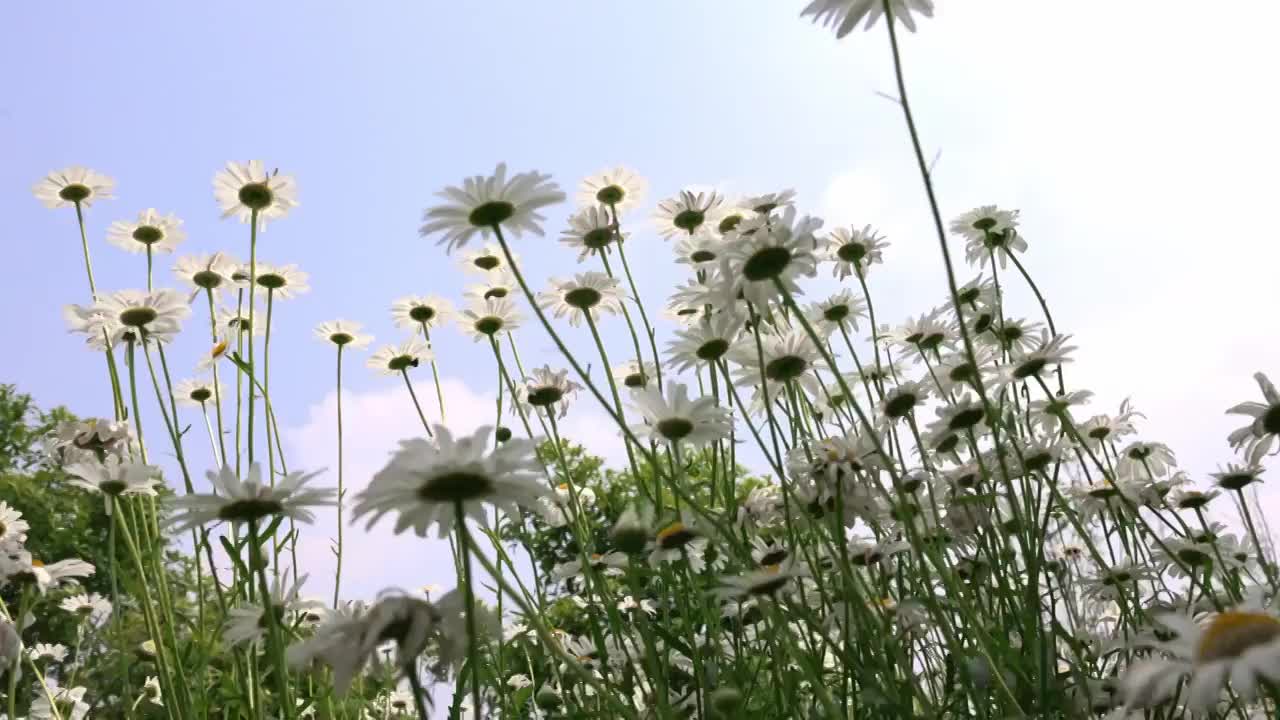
933,521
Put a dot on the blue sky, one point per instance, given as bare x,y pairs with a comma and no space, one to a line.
1137,138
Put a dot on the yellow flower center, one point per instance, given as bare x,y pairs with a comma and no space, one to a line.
37,563
674,536
218,349
1231,634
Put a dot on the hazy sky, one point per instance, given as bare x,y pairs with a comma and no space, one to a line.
1138,139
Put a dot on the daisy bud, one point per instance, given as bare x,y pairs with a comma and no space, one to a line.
547,698
630,533
725,700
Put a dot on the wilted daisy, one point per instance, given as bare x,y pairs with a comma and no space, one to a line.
395,359
46,651
585,293
246,189
844,15
704,342
549,389
853,251
427,478
151,231
248,624
248,501
618,188
685,213
343,333
671,417
91,608
989,231
590,231
484,203
114,478
141,315
12,526
483,320
72,186
1254,440
761,252
194,391
282,281
205,272
421,312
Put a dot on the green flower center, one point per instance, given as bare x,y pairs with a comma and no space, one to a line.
1037,462
674,428
402,362
544,395
964,372
206,279
1192,501
487,262
598,238
611,195
968,295
339,338
1236,480
421,313
112,487
455,487
984,224
712,349
948,443
201,394
836,313
983,323
787,367
137,317
729,223
635,380
256,196
75,192
766,263
1271,420
491,213
1192,556
583,298
249,510
966,418
488,325
899,405
272,281
769,586
773,557
702,256
932,341
497,292
148,234
689,220
1029,368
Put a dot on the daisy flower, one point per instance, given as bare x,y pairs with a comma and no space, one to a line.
546,388
248,501
343,333
349,639
247,189
426,479
235,321
607,564
73,186
1237,477
282,281
46,651
633,374
205,272
114,478
1051,353
421,312
698,251
248,625
1241,646
675,418
1017,336
685,213
765,582
18,566
91,608
585,293
590,231
705,342
151,231
679,541
844,15
59,702
486,259
619,188
12,526
193,391
788,357
927,333
768,202
646,605
1254,440
989,231
1144,459
901,399
764,250
497,285
843,308
483,320
483,204
138,314
151,689
395,359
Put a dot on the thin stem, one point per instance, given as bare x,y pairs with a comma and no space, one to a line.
473,659
337,573
414,396
435,372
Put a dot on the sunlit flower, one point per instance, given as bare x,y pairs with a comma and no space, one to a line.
426,479
114,478
151,231
699,251
768,202
764,251
73,185
671,417
395,359
1254,440
678,541
235,321
838,311
704,342
12,526
590,231
685,213
619,188
788,357
549,389
844,15
484,320
91,608
989,231
194,391
586,293
250,500
497,285
421,312
205,272
485,203
243,189
1238,477
141,315
633,374
343,333
486,259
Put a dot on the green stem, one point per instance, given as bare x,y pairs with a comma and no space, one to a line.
473,659
414,396
435,372
253,294
337,574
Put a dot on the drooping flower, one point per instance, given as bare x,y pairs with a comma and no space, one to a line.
427,478
1254,440
395,359
343,333
484,203
619,188
250,500
73,185
844,15
151,231
349,639
421,312
53,652
671,417
243,189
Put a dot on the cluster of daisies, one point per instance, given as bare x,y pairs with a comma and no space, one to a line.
821,514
